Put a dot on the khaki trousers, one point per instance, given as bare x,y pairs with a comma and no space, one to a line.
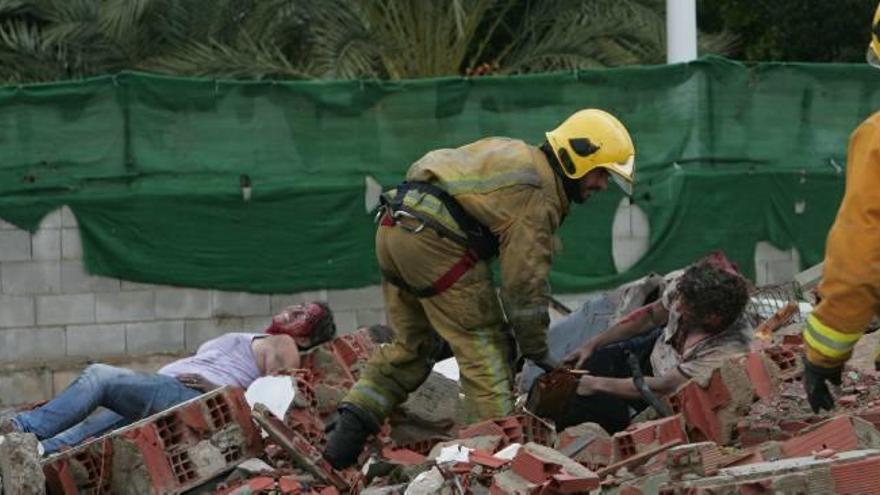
467,316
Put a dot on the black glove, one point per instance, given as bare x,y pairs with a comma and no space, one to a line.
815,378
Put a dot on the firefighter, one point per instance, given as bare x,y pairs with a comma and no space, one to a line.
850,289
438,230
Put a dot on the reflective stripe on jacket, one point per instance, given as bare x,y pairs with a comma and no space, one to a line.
509,187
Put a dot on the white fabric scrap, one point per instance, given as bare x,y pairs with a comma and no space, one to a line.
274,392
448,368
509,452
454,453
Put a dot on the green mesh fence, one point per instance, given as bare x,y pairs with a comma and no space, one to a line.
728,155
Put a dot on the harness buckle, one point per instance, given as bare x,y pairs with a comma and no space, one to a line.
379,212
397,214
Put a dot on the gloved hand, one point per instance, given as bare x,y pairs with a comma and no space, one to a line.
816,379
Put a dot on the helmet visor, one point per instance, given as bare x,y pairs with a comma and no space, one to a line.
623,174
872,57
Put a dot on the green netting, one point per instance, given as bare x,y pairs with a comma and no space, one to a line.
728,155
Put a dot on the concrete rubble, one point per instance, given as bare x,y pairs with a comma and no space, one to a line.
749,430
20,465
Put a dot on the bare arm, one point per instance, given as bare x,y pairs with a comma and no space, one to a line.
625,388
635,323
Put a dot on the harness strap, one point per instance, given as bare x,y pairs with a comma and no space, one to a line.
480,242
439,286
445,281
478,238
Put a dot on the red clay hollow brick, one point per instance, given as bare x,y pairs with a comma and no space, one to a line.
841,433
648,436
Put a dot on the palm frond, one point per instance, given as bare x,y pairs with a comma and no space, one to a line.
722,43
119,18
249,60
571,35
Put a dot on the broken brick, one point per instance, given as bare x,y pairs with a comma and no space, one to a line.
795,475
777,320
712,413
786,359
760,377
597,453
170,452
512,429
265,485
649,436
856,477
540,463
486,459
335,366
752,433
534,468
405,457
303,415
425,446
566,483
302,454
841,433
485,429
700,459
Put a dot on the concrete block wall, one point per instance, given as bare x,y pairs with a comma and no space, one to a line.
775,266
631,232
50,308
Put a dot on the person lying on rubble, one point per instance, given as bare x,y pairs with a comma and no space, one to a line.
105,397
695,326
849,293
437,234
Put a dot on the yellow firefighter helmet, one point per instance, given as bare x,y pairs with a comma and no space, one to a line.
874,47
592,139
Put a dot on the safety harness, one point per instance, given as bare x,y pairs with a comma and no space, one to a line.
479,242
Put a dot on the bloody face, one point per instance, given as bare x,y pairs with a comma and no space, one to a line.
297,321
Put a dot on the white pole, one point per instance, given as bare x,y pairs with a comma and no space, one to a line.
681,31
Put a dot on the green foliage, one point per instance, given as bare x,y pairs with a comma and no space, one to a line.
794,30
43,40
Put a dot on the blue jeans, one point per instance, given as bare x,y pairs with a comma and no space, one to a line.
125,395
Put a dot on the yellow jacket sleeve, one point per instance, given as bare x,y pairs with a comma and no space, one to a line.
850,287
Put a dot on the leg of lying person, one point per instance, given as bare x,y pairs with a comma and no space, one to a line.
100,422
71,406
128,394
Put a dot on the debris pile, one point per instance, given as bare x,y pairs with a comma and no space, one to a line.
748,430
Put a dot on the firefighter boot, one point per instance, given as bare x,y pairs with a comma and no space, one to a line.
349,435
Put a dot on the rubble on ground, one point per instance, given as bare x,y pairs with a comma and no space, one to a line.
20,465
748,430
